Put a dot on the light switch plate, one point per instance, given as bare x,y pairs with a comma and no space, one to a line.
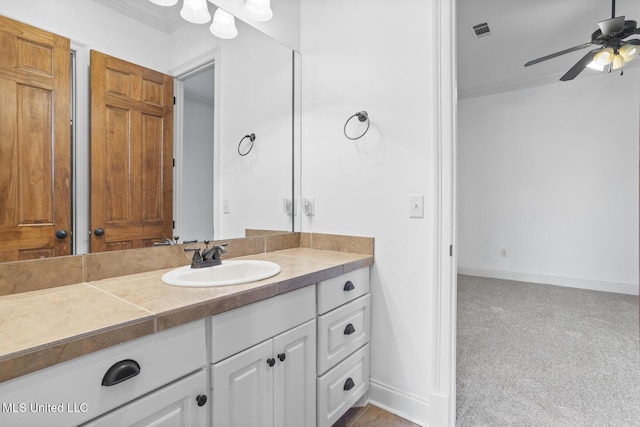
416,206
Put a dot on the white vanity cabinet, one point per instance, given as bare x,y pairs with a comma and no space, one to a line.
343,351
178,404
264,363
152,378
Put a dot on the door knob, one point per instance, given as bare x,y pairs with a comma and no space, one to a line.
201,399
62,234
282,356
98,232
271,361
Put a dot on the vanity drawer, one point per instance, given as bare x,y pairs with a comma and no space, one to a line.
340,388
342,331
241,328
72,392
339,290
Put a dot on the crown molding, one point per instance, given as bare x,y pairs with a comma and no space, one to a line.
164,19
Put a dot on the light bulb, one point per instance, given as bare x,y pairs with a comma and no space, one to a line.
258,10
195,11
628,52
618,62
223,25
604,57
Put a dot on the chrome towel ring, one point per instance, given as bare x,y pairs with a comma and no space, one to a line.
252,138
362,117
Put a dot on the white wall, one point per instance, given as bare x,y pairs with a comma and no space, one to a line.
550,174
376,56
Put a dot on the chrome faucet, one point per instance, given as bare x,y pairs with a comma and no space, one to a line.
167,241
209,257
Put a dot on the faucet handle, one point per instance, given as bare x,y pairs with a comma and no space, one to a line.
197,257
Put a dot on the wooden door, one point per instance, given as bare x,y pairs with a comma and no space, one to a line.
131,155
35,142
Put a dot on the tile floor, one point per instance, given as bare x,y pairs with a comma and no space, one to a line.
371,416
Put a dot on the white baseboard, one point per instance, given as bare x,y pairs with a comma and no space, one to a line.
398,402
570,282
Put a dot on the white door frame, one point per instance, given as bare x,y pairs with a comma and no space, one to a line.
203,61
442,399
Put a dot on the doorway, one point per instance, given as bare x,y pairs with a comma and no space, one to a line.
194,154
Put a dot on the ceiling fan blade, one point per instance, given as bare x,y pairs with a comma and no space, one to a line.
613,26
554,55
579,66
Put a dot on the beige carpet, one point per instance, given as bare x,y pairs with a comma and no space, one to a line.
541,355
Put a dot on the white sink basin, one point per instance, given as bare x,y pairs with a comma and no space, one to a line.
231,272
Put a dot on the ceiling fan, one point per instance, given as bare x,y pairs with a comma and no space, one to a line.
614,50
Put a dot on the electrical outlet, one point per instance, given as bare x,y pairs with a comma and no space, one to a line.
503,253
308,206
226,206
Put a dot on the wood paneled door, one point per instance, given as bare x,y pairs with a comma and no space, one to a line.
131,155
35,142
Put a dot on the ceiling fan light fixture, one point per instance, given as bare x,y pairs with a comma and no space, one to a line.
629,52
195,11
618,62
604,57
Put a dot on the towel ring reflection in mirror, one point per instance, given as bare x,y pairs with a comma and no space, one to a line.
362,117
252,138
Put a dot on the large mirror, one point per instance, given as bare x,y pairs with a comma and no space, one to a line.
251,90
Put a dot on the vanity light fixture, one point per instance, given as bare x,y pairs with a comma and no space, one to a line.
164,2
223,25
258,10
195,11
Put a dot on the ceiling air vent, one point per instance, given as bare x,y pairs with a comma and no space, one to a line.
480,30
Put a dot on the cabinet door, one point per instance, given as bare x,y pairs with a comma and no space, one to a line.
175,405
295,375
243,388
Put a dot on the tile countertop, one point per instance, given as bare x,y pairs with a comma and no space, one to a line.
42,328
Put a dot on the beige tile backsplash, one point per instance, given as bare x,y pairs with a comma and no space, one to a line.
24,276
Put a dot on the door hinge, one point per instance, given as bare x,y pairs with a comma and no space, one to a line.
174,224
174,163
174,100
450,250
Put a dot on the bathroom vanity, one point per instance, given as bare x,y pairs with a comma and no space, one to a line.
291,350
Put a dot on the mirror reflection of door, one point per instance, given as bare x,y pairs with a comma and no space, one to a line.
131,155
195,155
35,143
